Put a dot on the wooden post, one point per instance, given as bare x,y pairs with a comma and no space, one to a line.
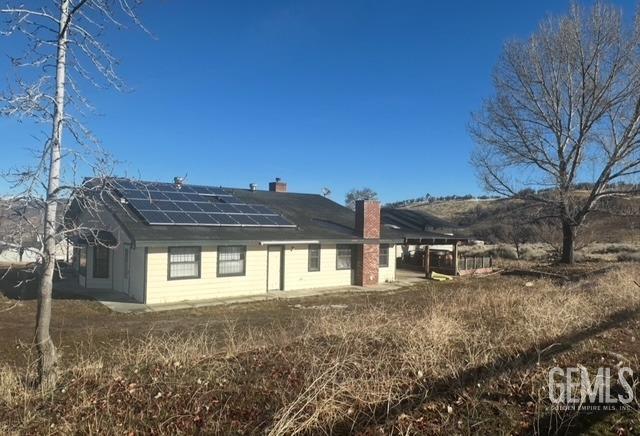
455,258
427,263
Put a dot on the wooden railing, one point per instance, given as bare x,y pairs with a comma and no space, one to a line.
445,265
474,262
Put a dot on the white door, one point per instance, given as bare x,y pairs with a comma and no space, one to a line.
274,268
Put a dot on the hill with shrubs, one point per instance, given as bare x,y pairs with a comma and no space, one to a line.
517,225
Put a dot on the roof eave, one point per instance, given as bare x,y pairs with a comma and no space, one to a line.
201,242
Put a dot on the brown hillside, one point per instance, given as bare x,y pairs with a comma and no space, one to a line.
617,220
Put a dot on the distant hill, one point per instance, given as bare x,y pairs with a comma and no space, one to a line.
616,220
22,222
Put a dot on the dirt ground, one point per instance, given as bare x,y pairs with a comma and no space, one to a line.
254,386
76,320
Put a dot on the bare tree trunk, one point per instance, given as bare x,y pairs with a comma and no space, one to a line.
568,243
47,358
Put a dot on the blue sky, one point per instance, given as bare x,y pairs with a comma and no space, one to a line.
321,93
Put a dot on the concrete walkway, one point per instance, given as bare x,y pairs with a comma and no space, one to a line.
121,303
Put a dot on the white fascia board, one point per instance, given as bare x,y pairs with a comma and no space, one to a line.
287,242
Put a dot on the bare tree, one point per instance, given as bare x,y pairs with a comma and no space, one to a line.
359,194
566,108
63,52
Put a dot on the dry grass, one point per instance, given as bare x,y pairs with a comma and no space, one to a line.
454,210
381,366
541,253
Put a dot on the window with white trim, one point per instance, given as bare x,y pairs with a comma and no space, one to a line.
343,256
231,260
184,263
314,257
384,255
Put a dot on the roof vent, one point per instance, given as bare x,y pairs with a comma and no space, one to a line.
178,181
253,187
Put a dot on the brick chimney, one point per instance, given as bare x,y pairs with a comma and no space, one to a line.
278,186
368,227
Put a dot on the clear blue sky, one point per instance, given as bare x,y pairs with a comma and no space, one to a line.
321,93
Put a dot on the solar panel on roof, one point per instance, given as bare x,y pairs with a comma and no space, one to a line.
196,189
227,208
244,208
264,210
154,217
207,190
124,184
165,203
157,195
176,196
209,207
244,219
188,207
187,188
277,219
263,220
193,197
180,218
143,204
229,199
204,218
225,219
132,193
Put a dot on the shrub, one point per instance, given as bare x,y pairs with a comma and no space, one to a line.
616,248
533,252
503,251
628,257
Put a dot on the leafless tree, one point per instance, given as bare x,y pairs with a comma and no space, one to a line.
566,108
62,51
359,194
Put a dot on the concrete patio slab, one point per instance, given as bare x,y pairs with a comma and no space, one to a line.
122,303
122,307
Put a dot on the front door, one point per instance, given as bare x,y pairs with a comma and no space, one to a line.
274,268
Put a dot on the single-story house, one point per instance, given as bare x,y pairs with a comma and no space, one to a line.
168,242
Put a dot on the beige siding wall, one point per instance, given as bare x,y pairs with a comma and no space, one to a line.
162,290
297,275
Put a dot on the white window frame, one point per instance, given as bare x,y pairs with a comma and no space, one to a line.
197,251
240,249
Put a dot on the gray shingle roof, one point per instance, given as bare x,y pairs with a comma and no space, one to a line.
415,226
316,218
